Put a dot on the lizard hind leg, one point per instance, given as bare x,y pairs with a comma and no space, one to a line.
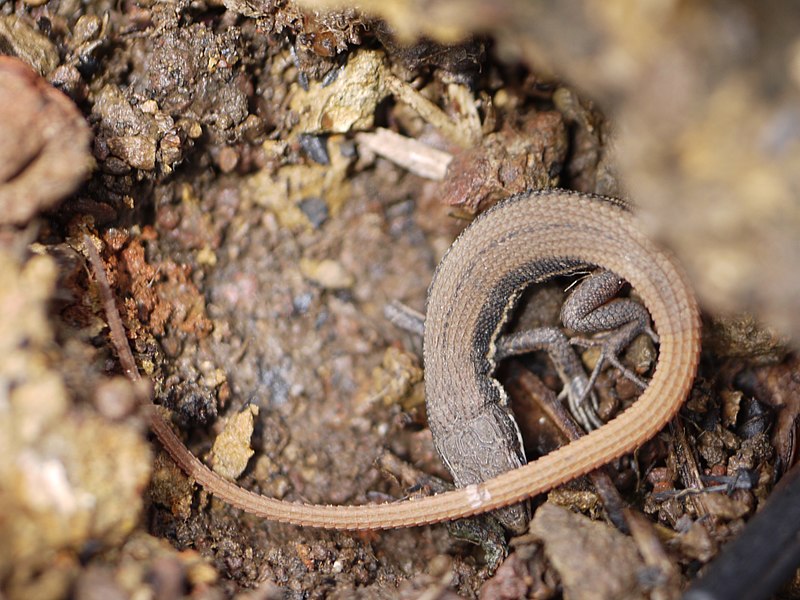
577,388
592,309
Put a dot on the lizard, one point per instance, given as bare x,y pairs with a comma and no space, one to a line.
527,238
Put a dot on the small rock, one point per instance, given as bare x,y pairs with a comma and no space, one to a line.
136,150
231,450
328,273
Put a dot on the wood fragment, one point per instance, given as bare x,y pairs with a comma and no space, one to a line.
409,153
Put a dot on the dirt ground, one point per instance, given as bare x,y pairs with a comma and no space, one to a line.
261,181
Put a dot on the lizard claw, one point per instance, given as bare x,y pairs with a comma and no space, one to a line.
582,402
611,345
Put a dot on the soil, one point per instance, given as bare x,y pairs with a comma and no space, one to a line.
252,241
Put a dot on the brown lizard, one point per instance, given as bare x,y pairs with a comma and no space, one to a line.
528,238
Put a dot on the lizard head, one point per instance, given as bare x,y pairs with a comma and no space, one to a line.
481,447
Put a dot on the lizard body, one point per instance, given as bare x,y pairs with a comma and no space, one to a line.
525,239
